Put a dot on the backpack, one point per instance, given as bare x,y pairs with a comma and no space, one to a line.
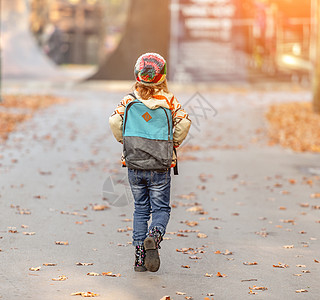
147,137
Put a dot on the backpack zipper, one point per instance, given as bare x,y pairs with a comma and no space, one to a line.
168,123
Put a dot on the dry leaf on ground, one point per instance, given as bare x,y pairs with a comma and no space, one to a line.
250,263
85,294
315,195
221,275
60,278
110,274
29,233
258,288
62,243
84,264
281,265
49,264
180,293
202,235
301,291
93,274
100,207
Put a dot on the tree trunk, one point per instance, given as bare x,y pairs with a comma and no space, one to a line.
147,30
316,72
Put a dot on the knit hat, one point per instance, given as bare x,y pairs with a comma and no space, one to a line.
150,69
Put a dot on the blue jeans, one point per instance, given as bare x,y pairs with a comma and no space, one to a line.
151,192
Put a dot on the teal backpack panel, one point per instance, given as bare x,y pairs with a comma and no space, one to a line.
141,121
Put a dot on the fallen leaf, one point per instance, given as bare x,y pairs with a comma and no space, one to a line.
196,208
301,291
194,257
49,264
189,196
281,265
182,235
253,279
258,288
221,275
315,195
100,207
288,246
250,263
84,264
301,266
85,294
227,252
93,274
201,187
180,293
208,275
192,223
185,266
305,271
110,274
60,278
12,230
316,261
252,292
166,298
201,235
62,243
262,233
29,233
184,249
35,269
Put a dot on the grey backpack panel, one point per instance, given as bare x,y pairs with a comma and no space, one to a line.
147,154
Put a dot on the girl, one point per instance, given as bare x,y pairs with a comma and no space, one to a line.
150,187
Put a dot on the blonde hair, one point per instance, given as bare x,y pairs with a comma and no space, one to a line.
146,92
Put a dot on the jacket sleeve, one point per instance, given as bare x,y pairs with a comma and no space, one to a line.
181,123
116,119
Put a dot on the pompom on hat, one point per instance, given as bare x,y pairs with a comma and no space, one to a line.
150,69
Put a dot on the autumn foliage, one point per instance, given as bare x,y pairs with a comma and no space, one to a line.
15,109
294,125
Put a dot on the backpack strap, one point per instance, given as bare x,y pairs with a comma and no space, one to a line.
175,168
132,95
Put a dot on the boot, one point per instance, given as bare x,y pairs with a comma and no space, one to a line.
140,257
151,245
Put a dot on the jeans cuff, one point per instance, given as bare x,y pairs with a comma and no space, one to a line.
160,228
137,243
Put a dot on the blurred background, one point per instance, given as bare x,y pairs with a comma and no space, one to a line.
203,40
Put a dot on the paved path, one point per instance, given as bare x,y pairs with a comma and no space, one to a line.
55,165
